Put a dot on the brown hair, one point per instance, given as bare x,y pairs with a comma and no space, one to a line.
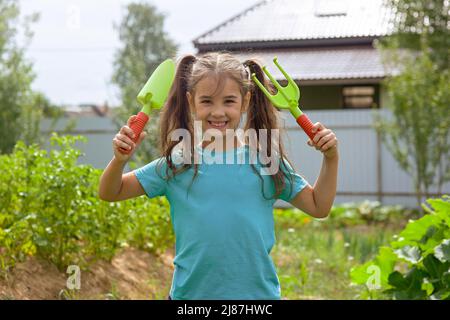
261,114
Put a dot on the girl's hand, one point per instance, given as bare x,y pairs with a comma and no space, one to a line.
325,140
123,140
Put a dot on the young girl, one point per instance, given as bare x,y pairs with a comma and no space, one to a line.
222,213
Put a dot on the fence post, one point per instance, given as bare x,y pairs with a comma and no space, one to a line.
379,170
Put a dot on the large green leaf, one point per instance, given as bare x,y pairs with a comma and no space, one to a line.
383,263
424,246
415,231
408,287
442,251
397,280
442,209
409,253
437,273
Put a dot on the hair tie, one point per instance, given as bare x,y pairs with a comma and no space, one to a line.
247,70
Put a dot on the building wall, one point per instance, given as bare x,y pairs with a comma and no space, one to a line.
99,132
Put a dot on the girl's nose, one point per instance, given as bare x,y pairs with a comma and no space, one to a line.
217,112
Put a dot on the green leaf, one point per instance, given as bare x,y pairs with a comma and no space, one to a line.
415,231
397,280
442,209
442,251
409,253
382,265
435,268
359,275
427,286
408,287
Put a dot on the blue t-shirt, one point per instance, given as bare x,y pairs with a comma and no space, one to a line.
223,225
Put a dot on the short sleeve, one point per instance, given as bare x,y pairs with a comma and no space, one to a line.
298,183
151,178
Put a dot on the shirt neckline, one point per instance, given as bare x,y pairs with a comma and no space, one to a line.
214,151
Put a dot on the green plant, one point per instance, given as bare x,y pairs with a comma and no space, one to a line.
69,294
21,107
50,207
114,293
151,229
416,265
347,215
417,135
314,262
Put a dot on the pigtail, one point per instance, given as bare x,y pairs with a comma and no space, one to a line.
175,114
263,115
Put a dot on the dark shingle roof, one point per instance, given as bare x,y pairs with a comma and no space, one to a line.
284,20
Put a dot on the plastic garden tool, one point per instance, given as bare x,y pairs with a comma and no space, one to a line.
152,96
287,98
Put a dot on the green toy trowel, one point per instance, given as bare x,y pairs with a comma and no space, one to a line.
153,96
287,98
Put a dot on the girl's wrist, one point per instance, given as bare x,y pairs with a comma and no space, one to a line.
331,154
117,162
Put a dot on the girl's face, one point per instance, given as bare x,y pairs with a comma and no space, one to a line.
221,111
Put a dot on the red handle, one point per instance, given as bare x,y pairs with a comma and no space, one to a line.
306,125
137,125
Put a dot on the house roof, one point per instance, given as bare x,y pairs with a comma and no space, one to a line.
322,63
301,20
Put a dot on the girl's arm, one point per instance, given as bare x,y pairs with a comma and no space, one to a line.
317,201
114,185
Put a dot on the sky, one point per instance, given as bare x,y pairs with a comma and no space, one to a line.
74,41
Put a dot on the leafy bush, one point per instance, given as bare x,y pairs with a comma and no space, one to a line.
416,265
347,215
49,206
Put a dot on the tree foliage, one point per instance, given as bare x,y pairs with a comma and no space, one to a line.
21,108
417,53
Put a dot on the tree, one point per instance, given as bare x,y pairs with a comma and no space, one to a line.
37,108
421,26
145,46
418,135
16,76
21,108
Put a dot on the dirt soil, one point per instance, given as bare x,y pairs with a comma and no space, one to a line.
132,274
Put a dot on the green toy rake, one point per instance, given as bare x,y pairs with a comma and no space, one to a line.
287,98
152,96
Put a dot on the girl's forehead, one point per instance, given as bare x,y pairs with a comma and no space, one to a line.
217,86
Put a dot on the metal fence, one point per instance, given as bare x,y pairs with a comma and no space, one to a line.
367,170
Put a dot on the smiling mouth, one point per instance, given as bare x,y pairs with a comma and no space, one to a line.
218,124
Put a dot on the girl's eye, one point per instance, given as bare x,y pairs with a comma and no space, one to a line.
230,101
206,101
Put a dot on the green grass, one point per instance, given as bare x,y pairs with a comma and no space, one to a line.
313,260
